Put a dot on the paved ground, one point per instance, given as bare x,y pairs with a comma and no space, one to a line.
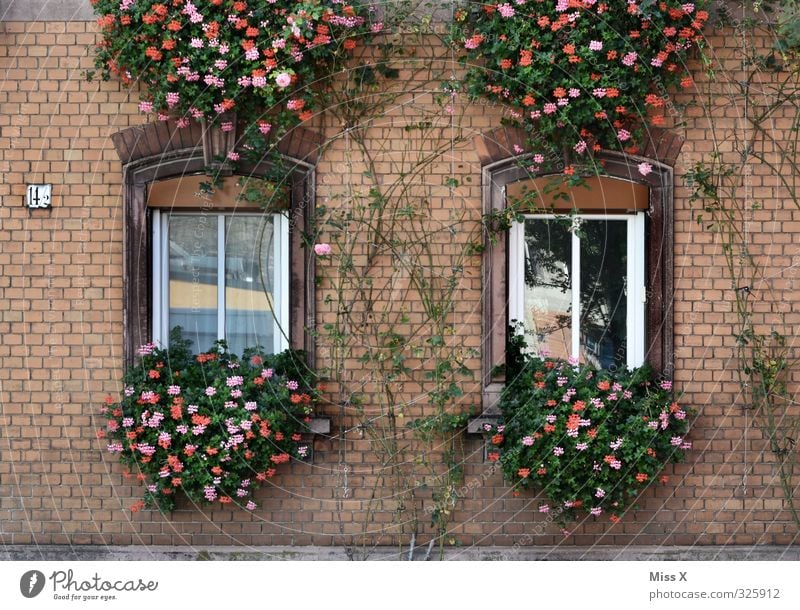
597,553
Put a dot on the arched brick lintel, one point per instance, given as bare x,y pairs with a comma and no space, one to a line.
661,145
163,137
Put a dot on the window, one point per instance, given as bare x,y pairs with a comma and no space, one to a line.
599,289
163,168
577,285
221,276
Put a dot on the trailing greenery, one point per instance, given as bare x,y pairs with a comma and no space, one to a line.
211,426
578,75
591,440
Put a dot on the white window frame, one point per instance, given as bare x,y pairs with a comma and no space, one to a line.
636,291
160,274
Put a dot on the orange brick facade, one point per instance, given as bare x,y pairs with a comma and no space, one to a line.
61,322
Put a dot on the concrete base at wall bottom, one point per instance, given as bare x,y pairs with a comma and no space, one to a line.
318,553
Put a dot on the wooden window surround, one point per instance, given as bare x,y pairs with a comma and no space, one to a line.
622,188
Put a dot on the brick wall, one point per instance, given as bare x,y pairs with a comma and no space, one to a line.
62,334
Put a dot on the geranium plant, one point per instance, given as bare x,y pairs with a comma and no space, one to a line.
212,426
579,75
590,440
206,58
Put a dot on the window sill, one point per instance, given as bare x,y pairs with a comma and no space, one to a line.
491,413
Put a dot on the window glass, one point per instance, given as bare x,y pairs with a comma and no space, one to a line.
570,286
603,256
193,277
547,295
225,276
250,282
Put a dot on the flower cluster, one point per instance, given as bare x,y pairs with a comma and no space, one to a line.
212,426
203,58
591,440
580,74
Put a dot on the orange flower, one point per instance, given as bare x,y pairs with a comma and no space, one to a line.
225,500
559,92
492,456
614,519
641,477
505,64
349,44
603,385
664,479
497,439
524,472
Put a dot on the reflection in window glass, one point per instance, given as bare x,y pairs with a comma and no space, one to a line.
603,279
547,296
193,278
225,277
249,282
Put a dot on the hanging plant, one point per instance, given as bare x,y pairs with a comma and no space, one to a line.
210,426
579,75
204,59
590,440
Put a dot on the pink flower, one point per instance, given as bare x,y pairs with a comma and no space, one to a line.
538,158
233,155
558,451
283,80
527,441
173,98
145,106
544,508
666,385
599,492
506,10
250,505
630,58
645,168
623,135
323,249
595,45
210,391
596,511
264,127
